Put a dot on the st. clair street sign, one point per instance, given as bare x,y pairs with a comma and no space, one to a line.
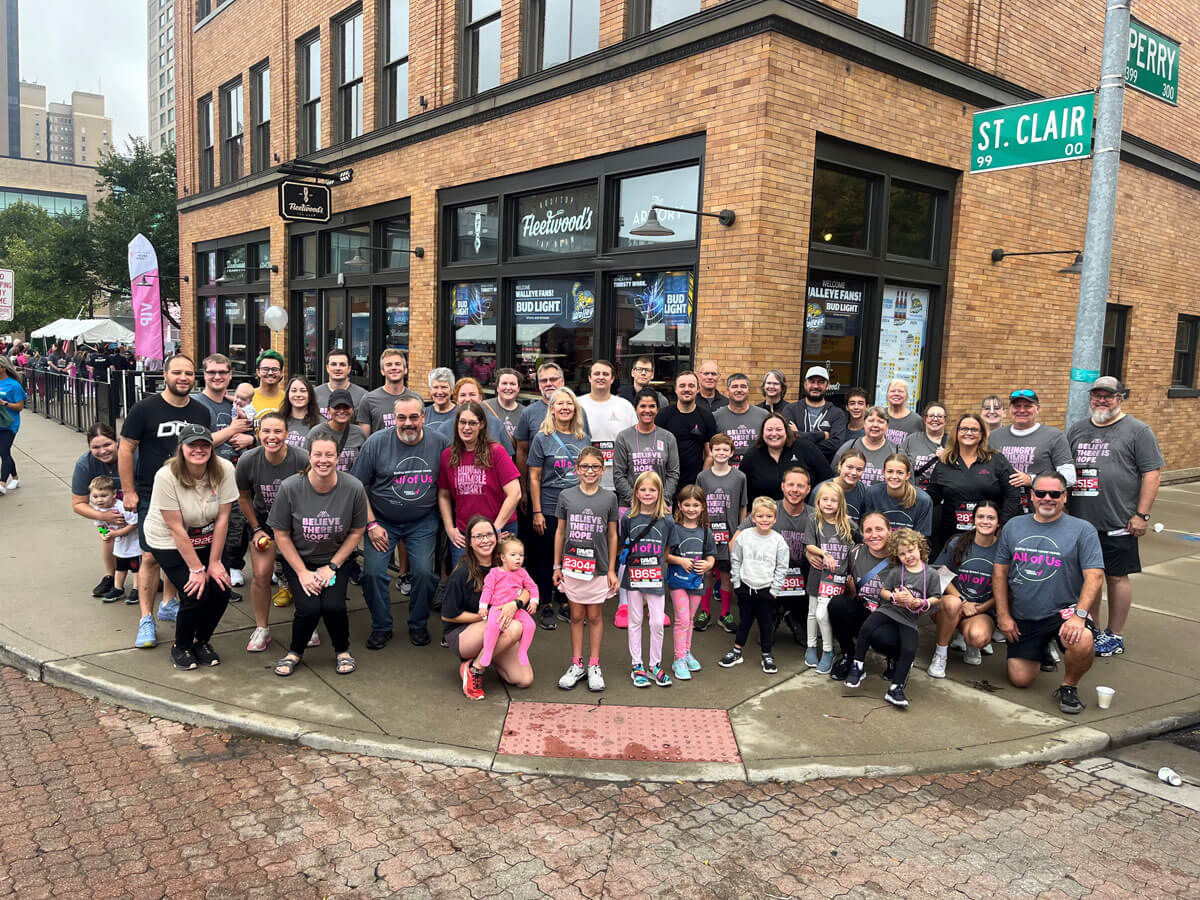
1030,134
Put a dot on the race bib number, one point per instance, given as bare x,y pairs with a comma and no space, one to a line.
607,449
793,583
579,564
871,605
202,536
645,572
831,585
1087,483
964,516
1026,506
720,532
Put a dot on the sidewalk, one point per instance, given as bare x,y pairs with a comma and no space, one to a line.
405,702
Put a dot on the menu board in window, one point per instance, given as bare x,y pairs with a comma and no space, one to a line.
903,326
562,221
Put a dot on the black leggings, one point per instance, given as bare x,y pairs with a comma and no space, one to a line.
756,605
329,605
8,468
846,615
892,633
198,616
539,555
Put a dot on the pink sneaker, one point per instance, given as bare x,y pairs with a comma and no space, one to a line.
621,619
259,639
315,640
666,621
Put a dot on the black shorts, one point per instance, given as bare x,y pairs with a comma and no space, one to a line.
723,565
143,510
1036,635
1120,554
128,563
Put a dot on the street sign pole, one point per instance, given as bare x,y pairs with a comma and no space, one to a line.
1102,204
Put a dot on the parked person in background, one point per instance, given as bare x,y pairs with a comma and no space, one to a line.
901,420
12,401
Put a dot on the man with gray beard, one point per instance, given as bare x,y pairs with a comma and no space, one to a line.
1117,469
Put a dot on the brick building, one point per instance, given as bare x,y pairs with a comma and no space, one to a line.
518,142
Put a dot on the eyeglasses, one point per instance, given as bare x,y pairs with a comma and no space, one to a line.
269,370
1053,495
935,415
415,417
971,430
218,374
483,538
588,467
642,369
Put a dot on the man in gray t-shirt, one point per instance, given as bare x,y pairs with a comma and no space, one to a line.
1046,581
741,426
1029,445
1118,465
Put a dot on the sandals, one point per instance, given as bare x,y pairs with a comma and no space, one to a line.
345,665
286,666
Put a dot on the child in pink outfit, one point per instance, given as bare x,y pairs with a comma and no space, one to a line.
503,584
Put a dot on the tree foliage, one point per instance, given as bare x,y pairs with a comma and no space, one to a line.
51,261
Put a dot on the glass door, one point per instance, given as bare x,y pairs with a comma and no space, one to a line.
360,335
833,317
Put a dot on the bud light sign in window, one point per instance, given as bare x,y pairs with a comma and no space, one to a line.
562,221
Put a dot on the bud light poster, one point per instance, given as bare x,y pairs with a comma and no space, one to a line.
554,301
665,298
473,302
677,299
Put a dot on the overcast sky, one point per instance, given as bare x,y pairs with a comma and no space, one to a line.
89,45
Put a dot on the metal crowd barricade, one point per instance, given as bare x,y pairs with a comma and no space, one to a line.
79,402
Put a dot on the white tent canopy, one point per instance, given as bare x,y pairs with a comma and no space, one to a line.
94,330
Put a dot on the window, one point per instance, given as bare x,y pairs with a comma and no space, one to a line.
910,222
481,46
473,316
839,208
350,78
259,261
647,15
1187,334
348,251
231,132
636,194
907,18
260,118
560,221
394,54
230,319
476,230
309,53
395,305
170,97
566,29
204,121
170,76
654,318
304,256
553,318
394,235
171,53
231,264
1112,354
170,32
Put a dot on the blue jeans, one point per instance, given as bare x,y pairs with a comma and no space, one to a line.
420,539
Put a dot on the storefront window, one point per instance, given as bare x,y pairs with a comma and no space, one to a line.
473,318
553,322
655,312
833,314
231,264
335,322
910,222
635,196
260,262
840,206
476,232
395,322
394,235
304,256
561,221
233,336
349,250
360,331
209,326
262,333
206,268
309,348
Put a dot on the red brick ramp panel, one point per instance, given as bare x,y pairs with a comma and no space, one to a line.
576,731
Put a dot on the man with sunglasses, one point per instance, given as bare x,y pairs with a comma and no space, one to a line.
1046,581
399,467
1118,465
1031,446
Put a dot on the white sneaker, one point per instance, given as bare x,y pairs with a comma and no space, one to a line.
988,650
972,656
937,665
998,636
595,679
575,673
236,579
13,483
3,489
259,639
957,642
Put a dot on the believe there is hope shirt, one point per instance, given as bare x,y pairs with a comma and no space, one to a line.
1110,461
474,490
401,479
1046,562
741,428
258,475
318,522
585,518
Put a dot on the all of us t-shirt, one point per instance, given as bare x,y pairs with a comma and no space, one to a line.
155,424
586,519
319,522
475,490
1046,562
973,580
555,455
401,479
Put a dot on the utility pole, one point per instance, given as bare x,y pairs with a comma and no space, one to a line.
1102,207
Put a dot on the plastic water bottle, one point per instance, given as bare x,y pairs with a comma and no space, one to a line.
1169,776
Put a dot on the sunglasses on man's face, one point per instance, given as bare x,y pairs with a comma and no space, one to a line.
1053,495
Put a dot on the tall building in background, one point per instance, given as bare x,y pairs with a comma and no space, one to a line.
160,86
77,132
10,71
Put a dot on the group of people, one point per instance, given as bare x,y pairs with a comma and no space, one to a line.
846,523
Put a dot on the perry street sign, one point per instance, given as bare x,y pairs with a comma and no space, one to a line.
1029,134
303,201
1152,65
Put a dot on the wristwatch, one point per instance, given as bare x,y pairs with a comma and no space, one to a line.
333,566
1082,613
1145,517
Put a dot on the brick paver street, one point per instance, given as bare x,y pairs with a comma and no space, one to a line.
103,802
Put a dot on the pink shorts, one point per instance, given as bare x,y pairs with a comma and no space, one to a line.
592,591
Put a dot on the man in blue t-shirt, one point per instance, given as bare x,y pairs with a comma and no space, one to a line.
1047,578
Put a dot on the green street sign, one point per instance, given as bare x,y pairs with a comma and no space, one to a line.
1152,65
1029,134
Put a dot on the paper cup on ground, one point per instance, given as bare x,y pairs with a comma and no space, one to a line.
1104,696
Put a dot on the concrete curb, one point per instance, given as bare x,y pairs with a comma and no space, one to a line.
1072,742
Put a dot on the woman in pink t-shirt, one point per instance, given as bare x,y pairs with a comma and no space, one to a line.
477,478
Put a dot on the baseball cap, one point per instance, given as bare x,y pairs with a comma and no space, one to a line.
1024,394
192,432
817,372
1107,383
341,397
